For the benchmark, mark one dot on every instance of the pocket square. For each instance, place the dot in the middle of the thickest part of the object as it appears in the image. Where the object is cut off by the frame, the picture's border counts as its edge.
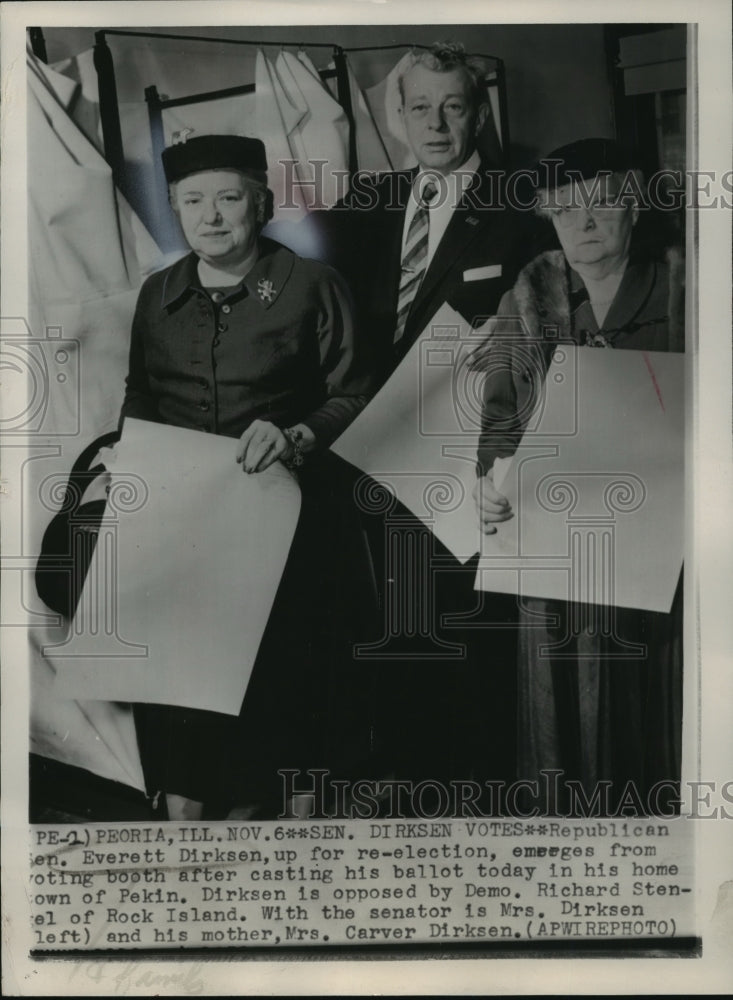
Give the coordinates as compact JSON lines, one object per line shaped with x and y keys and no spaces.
{"x":480,"y":273}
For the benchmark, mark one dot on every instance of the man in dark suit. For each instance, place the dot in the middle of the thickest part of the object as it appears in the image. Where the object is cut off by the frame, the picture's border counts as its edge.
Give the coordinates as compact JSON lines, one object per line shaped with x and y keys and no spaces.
{"x":407,"y":242}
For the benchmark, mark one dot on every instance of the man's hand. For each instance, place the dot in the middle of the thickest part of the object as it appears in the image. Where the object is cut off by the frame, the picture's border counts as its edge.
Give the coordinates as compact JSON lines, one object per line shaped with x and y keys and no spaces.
{"x":491,"y":505}
{"x":262,"y":444}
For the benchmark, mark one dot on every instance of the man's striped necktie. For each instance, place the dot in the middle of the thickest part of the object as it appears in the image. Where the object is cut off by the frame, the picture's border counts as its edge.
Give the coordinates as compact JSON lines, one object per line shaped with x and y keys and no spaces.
{"x":414,"y":258}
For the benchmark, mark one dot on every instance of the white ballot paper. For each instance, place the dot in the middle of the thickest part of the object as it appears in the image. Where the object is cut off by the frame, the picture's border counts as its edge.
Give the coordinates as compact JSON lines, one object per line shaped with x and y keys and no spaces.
{"x":419,"y":435}
{"x":189,"y":557}
{"x":597,"y":485}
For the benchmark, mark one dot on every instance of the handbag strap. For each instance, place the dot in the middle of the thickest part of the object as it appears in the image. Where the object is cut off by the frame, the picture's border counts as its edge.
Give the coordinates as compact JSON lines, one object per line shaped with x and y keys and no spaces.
{"x":80,"y":471}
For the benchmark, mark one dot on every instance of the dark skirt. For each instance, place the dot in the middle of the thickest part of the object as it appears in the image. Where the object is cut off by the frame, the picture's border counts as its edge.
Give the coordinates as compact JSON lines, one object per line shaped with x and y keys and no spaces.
{"x":603,"y":709}
{"x":445,"y":663}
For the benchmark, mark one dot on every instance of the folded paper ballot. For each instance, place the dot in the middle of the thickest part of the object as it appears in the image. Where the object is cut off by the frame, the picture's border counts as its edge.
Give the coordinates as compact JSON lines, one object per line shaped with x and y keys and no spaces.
{"x":181,"y":584}
{"x":419,"y":435}
{"x":597,"y":485}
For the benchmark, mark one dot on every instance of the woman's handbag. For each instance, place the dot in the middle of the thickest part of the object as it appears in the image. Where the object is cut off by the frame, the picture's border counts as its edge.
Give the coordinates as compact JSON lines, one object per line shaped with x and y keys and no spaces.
{"x":70,"y":538}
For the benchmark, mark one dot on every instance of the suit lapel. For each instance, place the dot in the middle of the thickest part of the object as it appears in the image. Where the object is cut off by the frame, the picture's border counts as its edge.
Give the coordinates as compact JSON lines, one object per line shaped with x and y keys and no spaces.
{"x":384,"y":249}
{"x":388,"y":245}
{"x":467,"y":224}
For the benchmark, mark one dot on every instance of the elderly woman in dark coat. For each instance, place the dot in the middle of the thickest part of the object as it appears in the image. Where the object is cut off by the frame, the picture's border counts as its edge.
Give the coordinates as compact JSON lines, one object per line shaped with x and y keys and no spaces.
{"x":593,"y":718}
{"x":243,"y":338}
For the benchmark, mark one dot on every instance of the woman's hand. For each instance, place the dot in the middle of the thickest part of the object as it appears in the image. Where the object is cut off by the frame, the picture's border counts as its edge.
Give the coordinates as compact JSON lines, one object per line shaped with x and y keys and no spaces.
{"x":262,"y":444}
{"x":491,"y":505}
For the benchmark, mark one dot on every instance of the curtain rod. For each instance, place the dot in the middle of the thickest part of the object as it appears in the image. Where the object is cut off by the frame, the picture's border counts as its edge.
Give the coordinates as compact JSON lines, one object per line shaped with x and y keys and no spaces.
{"x":207,"y":38}
{"x":301,"y":44}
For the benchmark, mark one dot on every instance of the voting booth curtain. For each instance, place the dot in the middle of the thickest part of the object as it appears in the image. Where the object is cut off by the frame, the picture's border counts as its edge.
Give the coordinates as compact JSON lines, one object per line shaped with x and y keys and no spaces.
{"x":88,"y":253}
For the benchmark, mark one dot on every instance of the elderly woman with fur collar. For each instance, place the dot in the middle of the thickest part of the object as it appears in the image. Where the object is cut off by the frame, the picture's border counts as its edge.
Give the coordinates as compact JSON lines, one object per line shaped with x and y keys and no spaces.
{"x":587,"y":716}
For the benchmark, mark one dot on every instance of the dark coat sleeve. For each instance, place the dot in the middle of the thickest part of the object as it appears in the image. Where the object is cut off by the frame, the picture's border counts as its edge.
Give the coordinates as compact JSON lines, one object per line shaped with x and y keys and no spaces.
{"x":344,"y":361}
{"x":515,"y":363}
{"x":139,"y":399}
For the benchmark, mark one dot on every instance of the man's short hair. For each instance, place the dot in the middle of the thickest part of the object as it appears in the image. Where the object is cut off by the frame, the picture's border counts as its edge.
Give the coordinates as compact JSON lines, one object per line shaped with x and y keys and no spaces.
{"x":442,"y":57}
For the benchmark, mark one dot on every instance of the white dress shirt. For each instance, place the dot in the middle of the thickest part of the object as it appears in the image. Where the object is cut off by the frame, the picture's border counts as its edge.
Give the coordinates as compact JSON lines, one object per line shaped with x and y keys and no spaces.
{"x":450,"y":192}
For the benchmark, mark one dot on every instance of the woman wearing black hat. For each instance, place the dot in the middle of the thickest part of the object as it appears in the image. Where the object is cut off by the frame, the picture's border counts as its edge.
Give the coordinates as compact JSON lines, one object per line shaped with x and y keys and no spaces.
{"x":294,"y":381}
{"x":590,"y":717}
{"x":244,"y":339}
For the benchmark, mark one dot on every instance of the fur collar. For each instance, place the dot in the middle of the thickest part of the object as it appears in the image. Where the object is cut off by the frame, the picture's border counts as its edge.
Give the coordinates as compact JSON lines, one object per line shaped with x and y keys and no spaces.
{"x":542,"y":296}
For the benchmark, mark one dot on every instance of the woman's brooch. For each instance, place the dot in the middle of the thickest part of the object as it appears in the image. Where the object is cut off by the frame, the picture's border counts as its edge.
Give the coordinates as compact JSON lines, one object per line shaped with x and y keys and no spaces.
{"x":266,"y":289}
{"x":596,"y":340}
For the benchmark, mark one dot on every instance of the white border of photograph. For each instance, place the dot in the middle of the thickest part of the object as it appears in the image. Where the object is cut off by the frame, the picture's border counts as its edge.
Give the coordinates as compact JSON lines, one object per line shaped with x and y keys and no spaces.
{"x":708,"y":753}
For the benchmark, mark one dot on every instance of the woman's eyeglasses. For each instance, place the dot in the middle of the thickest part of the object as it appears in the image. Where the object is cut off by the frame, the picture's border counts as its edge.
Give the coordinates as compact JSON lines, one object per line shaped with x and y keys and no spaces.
{"x":605,"y":210}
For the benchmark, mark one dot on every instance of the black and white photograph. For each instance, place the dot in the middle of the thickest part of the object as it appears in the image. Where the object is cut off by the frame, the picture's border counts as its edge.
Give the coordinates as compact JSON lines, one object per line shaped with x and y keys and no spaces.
{"x":365,"y":497}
